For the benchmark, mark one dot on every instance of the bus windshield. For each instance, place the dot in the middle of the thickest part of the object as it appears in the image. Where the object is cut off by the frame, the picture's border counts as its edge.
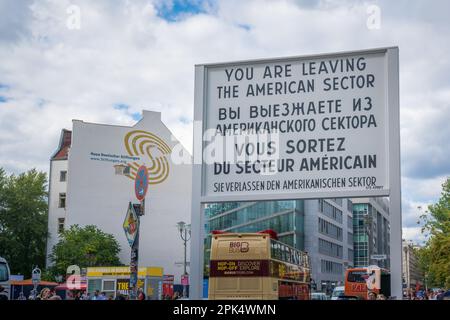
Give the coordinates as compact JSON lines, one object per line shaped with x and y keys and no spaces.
{"x":4,"y":276}
{"x":357,"y":276}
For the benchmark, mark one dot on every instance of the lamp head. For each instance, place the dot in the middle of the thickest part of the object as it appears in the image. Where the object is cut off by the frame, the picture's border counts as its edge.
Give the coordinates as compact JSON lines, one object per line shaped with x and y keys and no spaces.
{"x":181,"y":225}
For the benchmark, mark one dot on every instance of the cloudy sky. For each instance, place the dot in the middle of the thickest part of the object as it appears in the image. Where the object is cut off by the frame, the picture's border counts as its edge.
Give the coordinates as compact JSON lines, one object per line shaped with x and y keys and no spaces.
{"x":130,"y":55}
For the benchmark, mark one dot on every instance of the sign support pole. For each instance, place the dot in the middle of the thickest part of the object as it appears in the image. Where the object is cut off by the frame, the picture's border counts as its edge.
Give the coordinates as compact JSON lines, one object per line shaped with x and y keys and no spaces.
{"x":140,"y":189}
{"x":134,"y":264}
{"x":395,"y":206}
{"x":197,"y":215}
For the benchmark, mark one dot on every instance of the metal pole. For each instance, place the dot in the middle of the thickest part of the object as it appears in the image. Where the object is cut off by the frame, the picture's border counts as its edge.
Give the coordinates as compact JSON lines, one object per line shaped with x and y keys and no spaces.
{"x":185,"y":242}
{"x":395,"y":206}
{"x":134,"y":263}
{"x":185,"y":273}
{"x":197,"y":217}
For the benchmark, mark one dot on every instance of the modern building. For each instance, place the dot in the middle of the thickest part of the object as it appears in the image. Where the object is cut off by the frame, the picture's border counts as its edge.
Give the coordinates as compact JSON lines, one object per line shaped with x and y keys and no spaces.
{"x":412,"y":275}
{"x":329,"y":240}
{"x":371,"y":229}
{"x":323,"y":228}
{"x":92,"y":177}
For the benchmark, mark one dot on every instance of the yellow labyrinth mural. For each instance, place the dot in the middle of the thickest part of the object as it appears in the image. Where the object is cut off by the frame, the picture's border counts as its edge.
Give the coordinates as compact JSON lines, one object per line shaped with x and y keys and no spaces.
{"x":144,"y":144}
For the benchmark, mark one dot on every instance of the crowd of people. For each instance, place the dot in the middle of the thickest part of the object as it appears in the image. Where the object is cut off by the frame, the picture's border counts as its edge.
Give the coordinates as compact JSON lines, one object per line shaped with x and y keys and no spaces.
{"x":424,"y":294}
{"x":101,"y":296}
{"x":45,"y":294}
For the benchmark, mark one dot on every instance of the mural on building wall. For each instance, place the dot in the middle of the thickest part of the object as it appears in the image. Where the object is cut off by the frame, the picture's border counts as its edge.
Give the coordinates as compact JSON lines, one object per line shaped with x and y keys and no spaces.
{"x":145,"y":149}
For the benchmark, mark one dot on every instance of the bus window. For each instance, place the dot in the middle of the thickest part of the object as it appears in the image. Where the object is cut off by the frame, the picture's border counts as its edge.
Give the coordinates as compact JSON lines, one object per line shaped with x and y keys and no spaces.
{"x":356,"y":276}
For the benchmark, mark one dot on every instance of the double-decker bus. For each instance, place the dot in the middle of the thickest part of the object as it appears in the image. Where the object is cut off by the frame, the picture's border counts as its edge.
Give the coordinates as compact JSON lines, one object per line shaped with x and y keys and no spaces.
{"x":361,"y":282}
{"x":257,"y":266}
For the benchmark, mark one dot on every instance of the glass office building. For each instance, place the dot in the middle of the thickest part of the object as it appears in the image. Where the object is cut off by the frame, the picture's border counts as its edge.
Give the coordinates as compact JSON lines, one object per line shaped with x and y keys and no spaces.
{"x":323,"y":228}
{"x":284,"y":217}
{"x":371,"y":231}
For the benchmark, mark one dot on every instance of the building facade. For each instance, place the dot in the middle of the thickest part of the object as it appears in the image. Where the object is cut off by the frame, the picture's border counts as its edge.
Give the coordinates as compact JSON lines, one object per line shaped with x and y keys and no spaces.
{"x":92,"y":181}
{"x":323,"y":228}
{"x":371,"y":230}
{"x":329,"y":241}
{"x":57,"y":199}
{"x":412,"y":275}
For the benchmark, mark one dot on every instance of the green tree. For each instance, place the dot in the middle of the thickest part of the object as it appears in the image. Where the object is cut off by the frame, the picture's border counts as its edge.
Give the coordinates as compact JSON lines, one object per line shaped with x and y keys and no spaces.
{"x":85,"y":247}
{"x":23,"y":220}
{"x":434,"y":257}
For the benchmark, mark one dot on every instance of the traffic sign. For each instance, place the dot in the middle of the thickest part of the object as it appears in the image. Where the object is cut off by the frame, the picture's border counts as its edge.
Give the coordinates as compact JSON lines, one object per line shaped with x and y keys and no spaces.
{"x":36,"y":276}
{"x":131,"y":224}
{"x":141,"y":183}
{"x":378,"y":257}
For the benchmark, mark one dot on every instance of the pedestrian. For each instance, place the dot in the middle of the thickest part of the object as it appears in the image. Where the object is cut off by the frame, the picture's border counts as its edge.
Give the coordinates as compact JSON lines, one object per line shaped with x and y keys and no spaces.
{"x":372,"y":296}
{"x":141,"y":294}
{"x":44,"y":295}
{"x":103,"y":296}
{"x":381,"y":297}
{"x":96,"y":295}
{"x":52,"y":293}
{"x":120,"y":297}
{"x":21,"y":296}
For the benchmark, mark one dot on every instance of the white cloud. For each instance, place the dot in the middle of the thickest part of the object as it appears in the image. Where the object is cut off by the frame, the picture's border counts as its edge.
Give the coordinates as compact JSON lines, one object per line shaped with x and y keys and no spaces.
{"x":125,"y":53}
{"x":415,"y":235}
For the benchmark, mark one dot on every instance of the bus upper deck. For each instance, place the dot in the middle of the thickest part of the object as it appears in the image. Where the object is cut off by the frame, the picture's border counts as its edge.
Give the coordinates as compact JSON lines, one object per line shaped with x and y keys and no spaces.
{"x":257,"y":266}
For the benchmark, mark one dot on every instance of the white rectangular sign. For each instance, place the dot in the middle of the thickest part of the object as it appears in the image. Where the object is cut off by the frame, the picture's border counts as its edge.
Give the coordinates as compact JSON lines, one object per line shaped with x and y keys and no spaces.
{"x":378,"y":257}
{"x":302,"y":127}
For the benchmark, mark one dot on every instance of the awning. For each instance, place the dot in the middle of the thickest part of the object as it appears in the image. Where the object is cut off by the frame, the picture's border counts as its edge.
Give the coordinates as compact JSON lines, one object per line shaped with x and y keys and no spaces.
{"x":63,"y":286}
{"x":29,"y":282}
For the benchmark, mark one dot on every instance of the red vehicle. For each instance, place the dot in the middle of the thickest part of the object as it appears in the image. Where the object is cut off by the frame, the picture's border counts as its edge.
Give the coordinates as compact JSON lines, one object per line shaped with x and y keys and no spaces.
{"x":360,"y":282}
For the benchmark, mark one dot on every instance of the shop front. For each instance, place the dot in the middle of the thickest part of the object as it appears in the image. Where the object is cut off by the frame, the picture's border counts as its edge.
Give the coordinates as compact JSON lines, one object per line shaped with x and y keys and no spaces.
{"x":114,"y":281}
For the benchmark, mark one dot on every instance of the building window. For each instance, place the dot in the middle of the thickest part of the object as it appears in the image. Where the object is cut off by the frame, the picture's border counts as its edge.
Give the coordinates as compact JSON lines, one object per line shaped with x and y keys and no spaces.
{"x":349,"y":205}
{"x":330,"y":249}
{"x":62,"y":200}
{"x":350,"y":255}
{"x":62,"y":176}
{"x":349,"y":222}
{"x":61,"y":224}
{"x":350,"y":238}
{"x":331,"y":267}
{"x":109,"y":287}
{"x":330,"y":229}
{"x":330,"y":211}
{"x":122,"y":169}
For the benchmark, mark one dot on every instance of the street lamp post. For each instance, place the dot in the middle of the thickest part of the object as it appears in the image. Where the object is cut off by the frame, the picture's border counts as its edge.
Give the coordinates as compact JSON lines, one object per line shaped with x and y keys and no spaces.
{"x":185,"y":234}
{"x":36,"y":279}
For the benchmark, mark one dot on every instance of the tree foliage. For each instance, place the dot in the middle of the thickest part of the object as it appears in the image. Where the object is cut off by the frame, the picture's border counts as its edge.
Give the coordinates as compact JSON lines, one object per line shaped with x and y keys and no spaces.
{"x":23,"y":220}
{"x":434,"y":257}
{"x":85,"y":247}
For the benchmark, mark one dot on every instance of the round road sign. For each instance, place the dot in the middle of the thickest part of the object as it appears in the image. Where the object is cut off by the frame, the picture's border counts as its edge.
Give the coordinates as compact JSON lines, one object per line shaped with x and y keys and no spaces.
{"x":141,"y":183}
